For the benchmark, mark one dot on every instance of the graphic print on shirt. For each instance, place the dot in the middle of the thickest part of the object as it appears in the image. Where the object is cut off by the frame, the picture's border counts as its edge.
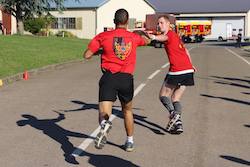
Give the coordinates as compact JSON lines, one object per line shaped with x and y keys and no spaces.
{"x":122,"y":47}
{"x":181,"y":45}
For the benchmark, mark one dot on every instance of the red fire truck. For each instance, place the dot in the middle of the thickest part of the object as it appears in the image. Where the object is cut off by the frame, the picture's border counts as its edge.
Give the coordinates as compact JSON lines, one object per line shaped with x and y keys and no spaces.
{"x":189,"y":31}
{"x":193,"y":30}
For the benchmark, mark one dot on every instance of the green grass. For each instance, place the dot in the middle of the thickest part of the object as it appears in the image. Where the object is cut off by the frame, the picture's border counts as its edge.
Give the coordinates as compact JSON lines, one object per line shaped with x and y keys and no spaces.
{"x":19,"y":53}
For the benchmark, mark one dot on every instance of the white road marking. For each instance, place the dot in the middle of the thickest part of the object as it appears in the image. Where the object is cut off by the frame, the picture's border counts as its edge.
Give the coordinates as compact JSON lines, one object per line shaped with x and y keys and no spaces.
{"x":238,"y":56}
{"x":164,"y":66}
{"x":85,"y":143}
{"x":191,"y":48}
{"x":88,"y":141}
{"x":154,"y":74}
{"x":139,"y":89}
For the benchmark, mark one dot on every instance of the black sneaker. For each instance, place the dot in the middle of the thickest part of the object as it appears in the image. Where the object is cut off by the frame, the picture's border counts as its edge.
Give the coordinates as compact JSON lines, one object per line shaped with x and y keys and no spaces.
{"x":101,"y":138}
{"x":177,"y":128}
{"x":172,"y":120}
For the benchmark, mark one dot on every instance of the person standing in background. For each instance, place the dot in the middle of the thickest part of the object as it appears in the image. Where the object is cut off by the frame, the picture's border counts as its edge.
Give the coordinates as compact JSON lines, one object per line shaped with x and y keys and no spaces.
{"x":1,"y":27}
{"x":238,"y":44}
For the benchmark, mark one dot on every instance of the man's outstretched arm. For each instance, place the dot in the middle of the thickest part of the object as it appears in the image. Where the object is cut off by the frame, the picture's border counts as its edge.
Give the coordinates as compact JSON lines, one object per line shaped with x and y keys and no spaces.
{"x":88,"y":53}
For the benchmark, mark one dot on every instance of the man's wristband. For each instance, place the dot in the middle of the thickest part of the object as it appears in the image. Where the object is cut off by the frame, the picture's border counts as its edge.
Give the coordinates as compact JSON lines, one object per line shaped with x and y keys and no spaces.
{"x":153,"y":37}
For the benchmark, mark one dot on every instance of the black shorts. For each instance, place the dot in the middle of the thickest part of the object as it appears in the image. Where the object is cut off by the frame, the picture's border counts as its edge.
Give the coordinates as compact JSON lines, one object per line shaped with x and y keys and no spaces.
{"x":111,"y":85}
{"x":183,"y":79}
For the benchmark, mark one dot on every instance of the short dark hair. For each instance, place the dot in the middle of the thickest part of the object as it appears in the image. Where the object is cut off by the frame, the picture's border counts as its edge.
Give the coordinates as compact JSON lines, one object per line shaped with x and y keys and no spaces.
{"x":165,"y":17}
{"x":121,"y":17}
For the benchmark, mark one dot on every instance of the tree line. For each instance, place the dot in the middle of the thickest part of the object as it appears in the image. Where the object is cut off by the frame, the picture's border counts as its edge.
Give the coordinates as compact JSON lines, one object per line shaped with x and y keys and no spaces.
{"x":30,"y":9}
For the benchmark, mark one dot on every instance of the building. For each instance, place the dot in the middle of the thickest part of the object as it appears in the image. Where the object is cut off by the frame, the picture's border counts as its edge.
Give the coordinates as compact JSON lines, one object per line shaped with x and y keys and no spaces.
{"x":9,"y":23}
{"x":227,"y":16}
{"x":87,"y":18}
{"x":90,"y":17}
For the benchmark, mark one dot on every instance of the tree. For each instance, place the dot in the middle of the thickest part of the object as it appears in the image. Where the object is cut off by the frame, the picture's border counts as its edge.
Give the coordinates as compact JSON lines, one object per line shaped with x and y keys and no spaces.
{"x":50,"y":19}
{"x":26,"y":9}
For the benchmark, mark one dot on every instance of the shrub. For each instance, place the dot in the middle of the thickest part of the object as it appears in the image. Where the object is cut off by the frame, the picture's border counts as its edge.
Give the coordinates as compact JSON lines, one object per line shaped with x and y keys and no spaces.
{"x":66,"y":34}
{"x":34,"y":25}
{"x":45,"y":31}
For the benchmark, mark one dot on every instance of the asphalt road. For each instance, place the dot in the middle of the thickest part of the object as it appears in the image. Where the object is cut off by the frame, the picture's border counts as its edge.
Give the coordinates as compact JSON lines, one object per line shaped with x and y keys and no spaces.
{"x":51,"y":115}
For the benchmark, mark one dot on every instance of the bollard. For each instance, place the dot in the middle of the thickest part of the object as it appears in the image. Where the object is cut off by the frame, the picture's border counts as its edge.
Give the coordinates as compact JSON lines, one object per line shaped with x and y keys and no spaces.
{"x":63,"y":35}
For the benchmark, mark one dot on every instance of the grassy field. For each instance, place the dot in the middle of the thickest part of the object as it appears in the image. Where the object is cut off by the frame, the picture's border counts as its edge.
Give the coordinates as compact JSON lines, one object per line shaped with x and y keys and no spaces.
{"x":19,"y":53}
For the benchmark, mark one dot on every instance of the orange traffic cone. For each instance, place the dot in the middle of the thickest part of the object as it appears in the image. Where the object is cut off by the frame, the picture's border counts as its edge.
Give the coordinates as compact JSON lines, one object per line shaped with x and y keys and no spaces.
{"x":26,"y":75}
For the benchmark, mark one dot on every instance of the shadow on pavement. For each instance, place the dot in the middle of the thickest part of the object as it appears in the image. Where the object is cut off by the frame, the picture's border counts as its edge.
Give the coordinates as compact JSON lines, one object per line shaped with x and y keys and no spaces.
{"x":233,"y":84}
{"x":229,"y":81}
{"x":51,"y":129}
{"x":226,"y":44}
{"x":239,"y":83}
{"x":245,"y":55}
{"x":138,"y":118}
{"x":228,"y":99}
{"x":107,"y":160}
{"x":233,"y":79}
{"x":237,"y":160}
{"x":87,"y":106}
{"x":119,"y":114}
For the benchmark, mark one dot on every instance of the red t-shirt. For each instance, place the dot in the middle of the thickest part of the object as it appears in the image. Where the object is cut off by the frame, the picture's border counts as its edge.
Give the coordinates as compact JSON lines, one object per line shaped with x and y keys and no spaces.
{"x":119,"y":49}
{"x":180,"y":62}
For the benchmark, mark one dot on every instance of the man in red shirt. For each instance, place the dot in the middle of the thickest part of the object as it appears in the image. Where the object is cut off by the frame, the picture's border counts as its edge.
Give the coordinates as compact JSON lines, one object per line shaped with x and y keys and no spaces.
{"x":180,"y":74}
{"x":118,"y":62}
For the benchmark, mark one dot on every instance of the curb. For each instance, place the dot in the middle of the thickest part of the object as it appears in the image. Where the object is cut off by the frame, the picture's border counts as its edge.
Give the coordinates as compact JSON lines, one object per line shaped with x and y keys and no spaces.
{"x":19,"y":76}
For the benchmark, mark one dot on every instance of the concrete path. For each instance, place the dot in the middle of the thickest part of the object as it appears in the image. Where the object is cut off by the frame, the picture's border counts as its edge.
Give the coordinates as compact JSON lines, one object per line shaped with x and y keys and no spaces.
{"x":51,"y":115}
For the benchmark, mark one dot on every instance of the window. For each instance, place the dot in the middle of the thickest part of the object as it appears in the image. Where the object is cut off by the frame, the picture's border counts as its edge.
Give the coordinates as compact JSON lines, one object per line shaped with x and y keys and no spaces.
{"x":64,"y":23}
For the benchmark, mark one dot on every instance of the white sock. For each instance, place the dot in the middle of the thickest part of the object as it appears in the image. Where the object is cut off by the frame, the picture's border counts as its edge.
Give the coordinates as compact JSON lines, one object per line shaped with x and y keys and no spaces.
{"x":129,"y":139}
{"x":103,"y":121}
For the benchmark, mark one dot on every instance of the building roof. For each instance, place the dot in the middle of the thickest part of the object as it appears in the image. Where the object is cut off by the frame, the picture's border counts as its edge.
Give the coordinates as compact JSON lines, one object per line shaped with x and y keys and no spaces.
{"x":82,"y":3}
{"x":150,"y":4}
{"x":88,"y":3}
{"x":201,"y":6}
